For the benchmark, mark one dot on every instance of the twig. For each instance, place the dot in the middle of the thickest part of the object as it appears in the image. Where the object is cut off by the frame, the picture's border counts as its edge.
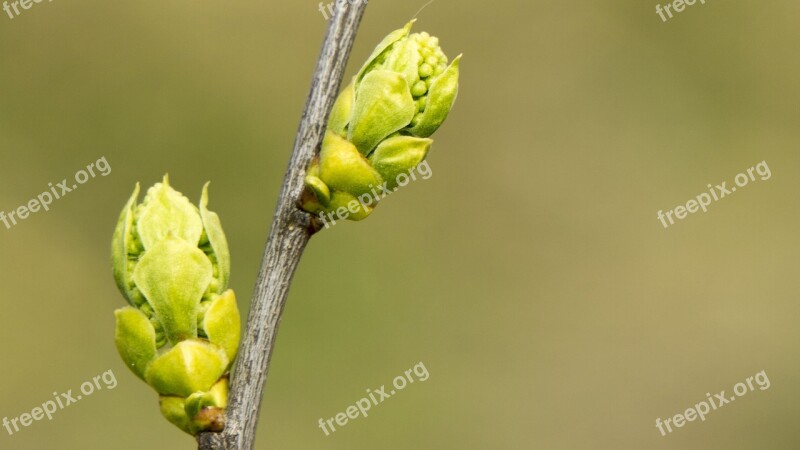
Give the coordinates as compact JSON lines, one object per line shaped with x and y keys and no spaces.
{"x":291,"y":231}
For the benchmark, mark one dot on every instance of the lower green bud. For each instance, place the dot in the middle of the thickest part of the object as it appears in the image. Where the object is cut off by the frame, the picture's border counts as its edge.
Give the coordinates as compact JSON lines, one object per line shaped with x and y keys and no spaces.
{"x":182,"y":335}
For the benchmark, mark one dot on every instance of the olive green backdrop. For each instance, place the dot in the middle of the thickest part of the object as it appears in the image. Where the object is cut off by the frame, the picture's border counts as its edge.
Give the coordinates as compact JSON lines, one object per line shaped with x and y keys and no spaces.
{"x":529,"y":273}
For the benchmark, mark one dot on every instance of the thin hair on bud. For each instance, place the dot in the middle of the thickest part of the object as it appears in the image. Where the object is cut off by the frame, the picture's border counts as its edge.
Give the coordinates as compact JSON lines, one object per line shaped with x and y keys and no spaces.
{"x":423,"y":7}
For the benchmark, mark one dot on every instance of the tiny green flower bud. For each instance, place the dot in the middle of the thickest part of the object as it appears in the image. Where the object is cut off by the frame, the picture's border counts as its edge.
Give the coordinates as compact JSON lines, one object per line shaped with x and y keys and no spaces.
{"x":426,"y":70}
{"x":439,"y":101}
{"x":171,"y":261}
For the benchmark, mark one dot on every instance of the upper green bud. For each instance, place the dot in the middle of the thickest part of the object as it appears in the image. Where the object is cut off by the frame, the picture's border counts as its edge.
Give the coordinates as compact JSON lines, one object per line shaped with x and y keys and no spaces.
{"x":422,"y":63}
{"x":181,"y":334}
{"x":406,"y":85}
{"x":430,"y":83}
{"x":380,"y":123}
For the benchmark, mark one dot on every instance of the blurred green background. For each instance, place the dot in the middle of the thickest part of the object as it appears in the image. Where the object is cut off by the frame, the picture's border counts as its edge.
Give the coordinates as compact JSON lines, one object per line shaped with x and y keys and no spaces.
{"x":529,"y":273}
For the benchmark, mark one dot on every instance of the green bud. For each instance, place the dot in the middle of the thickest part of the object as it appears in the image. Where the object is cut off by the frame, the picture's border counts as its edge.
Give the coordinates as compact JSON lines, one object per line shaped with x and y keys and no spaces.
{"x":419,"y":60}
{"x":181,"y":333}
{"x":380,"y":123}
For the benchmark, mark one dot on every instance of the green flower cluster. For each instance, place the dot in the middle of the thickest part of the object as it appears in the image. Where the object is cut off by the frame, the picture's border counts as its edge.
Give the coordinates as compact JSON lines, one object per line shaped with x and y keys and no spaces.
{"x":381,"y":123}
{"x":181,"y":332}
